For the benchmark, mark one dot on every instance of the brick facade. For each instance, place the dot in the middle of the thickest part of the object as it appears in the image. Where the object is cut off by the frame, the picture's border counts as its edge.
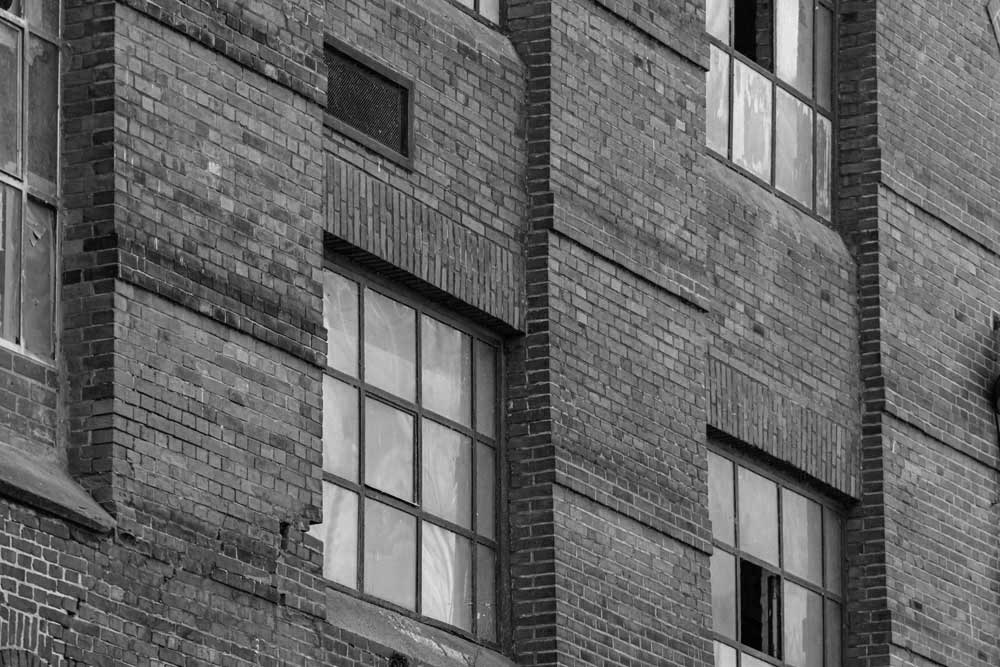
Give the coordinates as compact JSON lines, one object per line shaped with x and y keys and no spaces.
{"x":157,"y":482}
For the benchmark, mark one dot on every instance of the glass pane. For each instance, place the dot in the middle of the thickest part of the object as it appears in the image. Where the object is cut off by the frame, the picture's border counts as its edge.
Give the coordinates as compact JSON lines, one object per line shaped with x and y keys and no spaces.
{"x":720,"y":498}
{"x":833,"y":552}
{"x":724,"y":593}
{"x":486,"y":593}
{"x":758,"y":500}
{"x":389,"y":449}
{"x":794,"y":37}
{"x":725,"y":656}
{"x":390,"y":554}
{"x":486,"y":389}
{"x":44,"y":14}
{"x":802,"y":536}
{"x":340,"y":316}
{"x":760,"y":608}
{"x":446,"y":583}
{"x":43,"y":126}
{"x":823,"y":164}
{"x":717,"y":104}
{"x":10,"y":98}
{"x":803,"y":619}
{"x":717,"y":19}
{"x":833,"y":640}
{"x":10,"y":244}
{"x":751,"y":121}
{"x":339,"y":533}
{"x":793,"y":167}
{"x":445,"y":370}
{"x":486,"y":480}
{"x":747,"y":660}
{"x":447,"y":473}
{"x":340,"y":428}
{"x":390,"y":345}
{"x":824,"y":48}
{"x":490,"y":9}
{"x":38,"y":276}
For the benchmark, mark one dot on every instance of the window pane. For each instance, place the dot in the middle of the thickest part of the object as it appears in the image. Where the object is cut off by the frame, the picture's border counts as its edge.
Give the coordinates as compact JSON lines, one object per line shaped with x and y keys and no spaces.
{"x":44,"y":14}
{"x":794,"y":36}
{"x":833,"y":639}
{"x":751,"y":121}
{"x":43,"y":127}
{"x":10,"y":212}
{"x":720,"y":498}
{"x":340,"y":316}
{"x":793,"y":165}
{"x":339,"y":533}
{"x":486,"y":389}
{"x":445,"y":370}
{"x":390,"y":345}
{"x":724,"y":593}
{"x":486,"y":593}
{"x":802,"y":536}
{"x":447,"y":473}
{"x":490,"y":9}
{"x":760,"y":609}
{"x":486,"y":477}
{"x":803,"y":618}
{"x":823,"y":161}
{"x":10,"y":98}
{"x":750,"y":661}
{"x":38,"y":276}
{"x":725,"y":656}
{"x":824,"y":48}
{"x":340,"y":428}
{"x":758,"y":500}
{"x":390,"y":554}
{"x":834,"y":555}
{"x":717,"y":104}
{"x":389,"y":449}
{"x":717,"y":19}
{"x":446,"y":577}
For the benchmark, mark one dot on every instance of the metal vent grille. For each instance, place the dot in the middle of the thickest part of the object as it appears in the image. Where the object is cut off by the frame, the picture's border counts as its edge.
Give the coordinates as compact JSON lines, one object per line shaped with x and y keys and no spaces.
{"x":367,"y":101}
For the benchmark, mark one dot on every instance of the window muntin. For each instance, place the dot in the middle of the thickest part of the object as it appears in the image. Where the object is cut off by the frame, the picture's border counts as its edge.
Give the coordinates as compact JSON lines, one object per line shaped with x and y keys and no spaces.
{"x":769,"y":93}
{"x":775,"y":571}
{"x":488,"y":9}
{"x":410,"y":456}
{"x":29,"y":151}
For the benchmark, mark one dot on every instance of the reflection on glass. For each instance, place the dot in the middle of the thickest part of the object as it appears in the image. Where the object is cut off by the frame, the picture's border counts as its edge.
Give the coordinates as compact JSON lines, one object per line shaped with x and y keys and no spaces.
{"x":390,"y":554}
{"x":724,"y":593}
{"x":802,"y":536}
{"x":340,"y":428}
{"x":446,"y":473}
{"x":803,"y":624}
{"x":824,"y":47}
{"x":758,"y":500}
{"x":725,"y":656}
{"x":10,"y":212}
{"x":490,"y":9}
{"x":794,"y":35}
{"x":340,"y":315}
{"x":390,"y":345}
{"x":793,"y":165}
{"x":486,"y":593}
{"x":717,"y":102}
{"x":751,"y":121}
{"x":446,"y":576}
{"x":445,"y":370}
{"x":339,"y":533}
{"x":37,"y":305}
{"x":43,"y":100}
{"x":717,"y":19}
{"x":833,"y":554}
{"x":389,"y":449}
{"x":720,"y":498}
{"x":485,"y":490}
{"x":486,"y":389}
{"x":10,"y":98}
{"x":833,"y":639}
{"x":823,"y":159}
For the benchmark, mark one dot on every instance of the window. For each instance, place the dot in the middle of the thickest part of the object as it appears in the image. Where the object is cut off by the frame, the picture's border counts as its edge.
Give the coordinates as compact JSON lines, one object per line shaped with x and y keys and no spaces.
{"x":410,"y":435}
{"x":488,"y":9}
{"x":770,"y":93}
{"x":776,"y":571}
{"x":29,"y":166}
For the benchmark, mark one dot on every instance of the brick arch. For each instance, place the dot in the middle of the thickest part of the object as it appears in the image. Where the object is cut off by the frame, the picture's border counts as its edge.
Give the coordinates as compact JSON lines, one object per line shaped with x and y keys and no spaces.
{"x":16,"y":657}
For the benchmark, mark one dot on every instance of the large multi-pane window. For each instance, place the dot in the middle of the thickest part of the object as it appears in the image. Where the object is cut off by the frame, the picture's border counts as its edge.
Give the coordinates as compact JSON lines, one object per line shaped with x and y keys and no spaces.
{"x":29,"y":149}
{"x":770,"y":93}
{"x":410,"y":435}
{"x":776,"y":571}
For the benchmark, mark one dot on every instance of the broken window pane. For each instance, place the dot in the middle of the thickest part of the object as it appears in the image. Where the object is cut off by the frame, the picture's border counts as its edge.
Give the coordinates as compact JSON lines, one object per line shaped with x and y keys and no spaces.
{"x":43,"y":126}
{"x":794,"y":35}
{"x":752,"y":31}
{"x":10,"y":98}
{"x":38,"y":248}
{"x":752,"y":121}
{"x":760,"y":609}
{"x":717,"y":104}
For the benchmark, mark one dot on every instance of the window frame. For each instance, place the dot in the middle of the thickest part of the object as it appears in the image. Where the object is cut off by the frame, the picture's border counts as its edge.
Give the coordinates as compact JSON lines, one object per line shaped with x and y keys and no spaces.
{"x":781,"y":481}
{"x":423,"y":305}
{"x":29,"y":191}
{"x":475,"y":12}
{"x":775,"y":82}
